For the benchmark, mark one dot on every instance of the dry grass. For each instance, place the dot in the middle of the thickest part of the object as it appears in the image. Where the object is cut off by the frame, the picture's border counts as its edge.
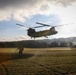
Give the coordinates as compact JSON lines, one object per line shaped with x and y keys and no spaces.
{"x":42,"y":61}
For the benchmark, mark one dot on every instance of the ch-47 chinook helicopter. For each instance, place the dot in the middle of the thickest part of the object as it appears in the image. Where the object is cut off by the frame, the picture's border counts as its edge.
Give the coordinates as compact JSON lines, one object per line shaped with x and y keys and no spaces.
{"x":32,"y":33}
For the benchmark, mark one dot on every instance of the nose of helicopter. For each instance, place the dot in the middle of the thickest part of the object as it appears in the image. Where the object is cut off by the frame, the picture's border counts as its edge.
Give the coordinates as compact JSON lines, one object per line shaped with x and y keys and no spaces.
{"x":55,"y":32}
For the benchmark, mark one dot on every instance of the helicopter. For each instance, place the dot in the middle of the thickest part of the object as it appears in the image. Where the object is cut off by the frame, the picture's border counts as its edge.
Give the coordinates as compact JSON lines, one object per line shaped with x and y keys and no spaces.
{"x":33,"y":33}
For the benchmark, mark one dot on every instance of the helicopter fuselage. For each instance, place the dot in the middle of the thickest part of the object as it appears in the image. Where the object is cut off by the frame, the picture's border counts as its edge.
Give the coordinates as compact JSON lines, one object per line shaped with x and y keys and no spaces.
{"x":33,"y":33}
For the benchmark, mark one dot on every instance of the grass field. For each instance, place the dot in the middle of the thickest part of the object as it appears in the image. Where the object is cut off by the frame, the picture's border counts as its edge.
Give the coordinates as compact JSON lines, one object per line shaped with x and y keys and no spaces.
{"x":41,"y":61}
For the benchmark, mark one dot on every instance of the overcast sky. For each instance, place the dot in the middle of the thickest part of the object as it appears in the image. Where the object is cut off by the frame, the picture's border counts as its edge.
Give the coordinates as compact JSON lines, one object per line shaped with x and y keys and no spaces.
{"x":27,"y":12}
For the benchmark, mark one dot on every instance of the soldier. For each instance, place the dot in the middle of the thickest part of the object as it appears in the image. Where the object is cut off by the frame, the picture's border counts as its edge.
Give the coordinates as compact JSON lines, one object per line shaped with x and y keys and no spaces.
{"x":20,"y":48}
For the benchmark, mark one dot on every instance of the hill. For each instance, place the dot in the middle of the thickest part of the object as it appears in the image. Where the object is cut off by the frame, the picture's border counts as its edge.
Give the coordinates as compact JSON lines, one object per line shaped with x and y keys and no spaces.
{"x":60,"y":42}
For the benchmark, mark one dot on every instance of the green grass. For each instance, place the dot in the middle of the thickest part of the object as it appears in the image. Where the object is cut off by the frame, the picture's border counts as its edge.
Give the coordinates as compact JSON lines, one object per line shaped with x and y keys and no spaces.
{"x":42,"y":61}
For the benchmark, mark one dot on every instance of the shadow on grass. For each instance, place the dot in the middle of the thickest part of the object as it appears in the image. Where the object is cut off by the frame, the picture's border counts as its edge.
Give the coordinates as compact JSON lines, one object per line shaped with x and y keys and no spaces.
{"x":13,"y":56}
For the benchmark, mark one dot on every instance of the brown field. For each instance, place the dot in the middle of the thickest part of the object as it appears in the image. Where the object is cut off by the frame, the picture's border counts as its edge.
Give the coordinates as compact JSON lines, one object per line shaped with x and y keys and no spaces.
{"x":38,"y":61}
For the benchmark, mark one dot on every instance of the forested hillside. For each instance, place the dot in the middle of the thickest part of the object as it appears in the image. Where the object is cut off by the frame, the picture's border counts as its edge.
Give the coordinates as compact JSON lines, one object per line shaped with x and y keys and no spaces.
{"x":38,"y":43}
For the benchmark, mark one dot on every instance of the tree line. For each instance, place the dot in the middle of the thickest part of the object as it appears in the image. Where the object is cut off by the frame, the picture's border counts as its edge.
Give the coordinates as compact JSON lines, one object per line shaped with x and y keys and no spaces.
{"x":35,"y":44}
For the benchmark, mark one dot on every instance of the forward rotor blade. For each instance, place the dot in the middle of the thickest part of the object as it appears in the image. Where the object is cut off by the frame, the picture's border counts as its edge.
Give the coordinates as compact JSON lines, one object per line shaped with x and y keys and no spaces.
{"x":22,"y":25}
{"x":42,"y":24}
{"x":37,"y":26}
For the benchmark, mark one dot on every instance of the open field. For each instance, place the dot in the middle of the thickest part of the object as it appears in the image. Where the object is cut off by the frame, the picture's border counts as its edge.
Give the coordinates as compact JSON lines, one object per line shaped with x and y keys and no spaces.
{"x":41,"y":61}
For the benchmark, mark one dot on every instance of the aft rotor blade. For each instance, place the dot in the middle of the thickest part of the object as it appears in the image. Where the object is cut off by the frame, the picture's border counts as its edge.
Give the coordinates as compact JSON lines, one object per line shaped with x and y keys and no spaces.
{"x":62,"y":25}
{"x":42,"y":24}
{"x":22,"y":25}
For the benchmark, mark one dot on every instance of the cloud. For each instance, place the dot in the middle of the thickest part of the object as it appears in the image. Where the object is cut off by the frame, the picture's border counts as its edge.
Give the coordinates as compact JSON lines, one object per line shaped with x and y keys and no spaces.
{"x":62,"y":2}
{"x":66,"y":31}
{"x":27,"y":3}
{"x":22,"y":37}
{"x":23,"y":9}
